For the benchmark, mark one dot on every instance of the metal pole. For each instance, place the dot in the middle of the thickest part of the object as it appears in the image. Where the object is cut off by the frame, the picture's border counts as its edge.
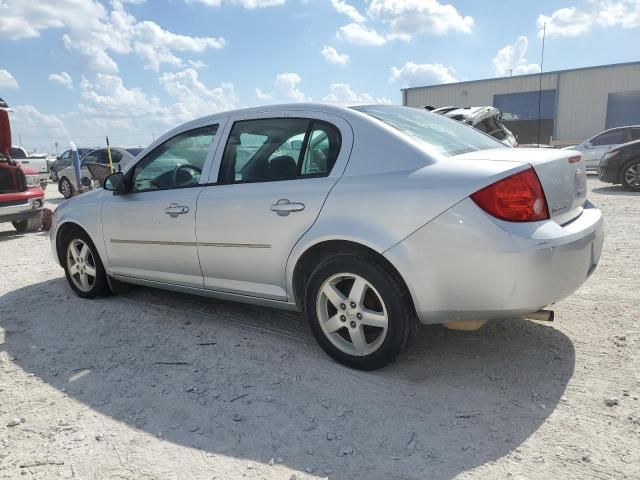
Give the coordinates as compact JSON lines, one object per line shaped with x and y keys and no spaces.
{"x":109,"y":155}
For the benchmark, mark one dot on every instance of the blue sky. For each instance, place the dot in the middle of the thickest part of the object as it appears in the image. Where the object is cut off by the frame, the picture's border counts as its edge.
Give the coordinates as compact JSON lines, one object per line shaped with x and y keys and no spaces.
{"x":81,"y":69}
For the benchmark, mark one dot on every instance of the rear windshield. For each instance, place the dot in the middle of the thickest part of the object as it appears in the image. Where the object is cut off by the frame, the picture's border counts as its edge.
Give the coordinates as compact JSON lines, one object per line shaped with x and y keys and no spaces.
{"x":134,"y":151}
{"x":444,"y":134}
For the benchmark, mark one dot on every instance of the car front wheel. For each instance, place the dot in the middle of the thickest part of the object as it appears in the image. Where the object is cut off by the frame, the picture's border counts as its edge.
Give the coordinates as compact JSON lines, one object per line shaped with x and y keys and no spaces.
{"x":359,"y":311}
{"x":631,"y":175}
{"x":65,"y":187}
{"x":53,"y":176}
{"x":83,"y":267}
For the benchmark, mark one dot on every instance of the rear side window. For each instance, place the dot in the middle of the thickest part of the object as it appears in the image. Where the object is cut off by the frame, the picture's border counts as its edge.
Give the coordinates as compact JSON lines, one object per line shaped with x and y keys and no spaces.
{"x":277,"y":149}
{"x":445,"y":135}
{"x":609,"y":138}
{"x":17,"y":153}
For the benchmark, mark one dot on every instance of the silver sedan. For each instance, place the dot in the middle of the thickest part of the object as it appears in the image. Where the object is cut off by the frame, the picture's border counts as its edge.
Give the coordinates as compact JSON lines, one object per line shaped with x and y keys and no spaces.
{"x":370,"y":219}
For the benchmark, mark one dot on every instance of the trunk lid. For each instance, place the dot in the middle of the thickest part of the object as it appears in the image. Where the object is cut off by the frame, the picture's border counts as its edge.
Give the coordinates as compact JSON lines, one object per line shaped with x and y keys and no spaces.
{"x":562,"y":174}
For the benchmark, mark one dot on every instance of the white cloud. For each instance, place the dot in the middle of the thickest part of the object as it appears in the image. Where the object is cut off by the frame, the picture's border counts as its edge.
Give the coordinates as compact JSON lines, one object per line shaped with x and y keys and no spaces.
{"x":249,"y":4}
{"x":260,"y":95}
{"x":360,"y":35}
{"x":343,"y":93}
{"x":287,"y":85}
{"x":37,"y":129}
{"x":94,"y":32}
{"x":406,"y":18}
{"x":108,"y":96}
{"x":332,"y":56}
{"x":195,"y":99}
{"x":625,"y":13}
{"x":416,"y":74}
{"x":511,"y":59}
{"x":571,"y":21}
{"x":349,"y":10}
{"x":565,"y":22}
{"x":7,"y":80}
{"x":63,"y":79}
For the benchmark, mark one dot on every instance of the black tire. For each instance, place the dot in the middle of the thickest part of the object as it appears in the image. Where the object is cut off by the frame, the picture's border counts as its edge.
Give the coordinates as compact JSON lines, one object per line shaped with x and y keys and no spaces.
{"x":66,"y":188}
{"x":402,"y":320}
{"x":631,"y":164}
{"x":31,"y":224}
{"x":99,"y":287}
{"x":54,"y":176}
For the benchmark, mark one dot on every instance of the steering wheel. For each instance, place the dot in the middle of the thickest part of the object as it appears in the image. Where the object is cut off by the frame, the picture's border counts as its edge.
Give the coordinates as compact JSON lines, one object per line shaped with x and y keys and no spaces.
{"x":184,"y":166}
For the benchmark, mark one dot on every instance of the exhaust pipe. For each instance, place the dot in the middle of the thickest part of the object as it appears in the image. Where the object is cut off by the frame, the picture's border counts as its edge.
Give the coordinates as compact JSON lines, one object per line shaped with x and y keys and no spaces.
{"x":540,"y":315}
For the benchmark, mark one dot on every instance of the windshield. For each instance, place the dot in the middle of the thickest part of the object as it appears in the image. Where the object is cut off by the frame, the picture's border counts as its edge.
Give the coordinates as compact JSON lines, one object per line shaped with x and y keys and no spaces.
{"x":134,"y":151}
{"x":445,"y":135}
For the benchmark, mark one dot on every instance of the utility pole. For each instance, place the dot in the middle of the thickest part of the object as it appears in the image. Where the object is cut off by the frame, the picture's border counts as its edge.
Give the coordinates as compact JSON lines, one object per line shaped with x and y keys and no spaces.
{"x":20,"y":139}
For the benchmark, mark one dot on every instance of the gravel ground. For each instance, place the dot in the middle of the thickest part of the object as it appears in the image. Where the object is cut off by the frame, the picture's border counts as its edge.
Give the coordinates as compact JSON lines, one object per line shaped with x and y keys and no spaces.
{"x":153,"y":384}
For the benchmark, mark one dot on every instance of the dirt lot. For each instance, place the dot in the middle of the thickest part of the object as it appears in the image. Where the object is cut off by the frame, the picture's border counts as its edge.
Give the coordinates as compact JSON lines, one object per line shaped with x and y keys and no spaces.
{"x":158,"y":385}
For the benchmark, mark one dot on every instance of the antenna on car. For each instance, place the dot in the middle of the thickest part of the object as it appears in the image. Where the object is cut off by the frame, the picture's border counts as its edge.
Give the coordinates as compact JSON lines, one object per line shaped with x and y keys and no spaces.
{"x":544,"y":34}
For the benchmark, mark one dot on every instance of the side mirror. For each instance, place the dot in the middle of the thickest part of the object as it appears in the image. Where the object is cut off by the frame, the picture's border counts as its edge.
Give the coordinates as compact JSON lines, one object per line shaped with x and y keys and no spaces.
{"x":588,"y":145}
{"x":115,"y":183}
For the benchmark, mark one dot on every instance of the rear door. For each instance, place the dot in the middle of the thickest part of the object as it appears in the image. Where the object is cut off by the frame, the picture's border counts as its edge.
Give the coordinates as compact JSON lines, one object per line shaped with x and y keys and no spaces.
{"x":272,"y":178}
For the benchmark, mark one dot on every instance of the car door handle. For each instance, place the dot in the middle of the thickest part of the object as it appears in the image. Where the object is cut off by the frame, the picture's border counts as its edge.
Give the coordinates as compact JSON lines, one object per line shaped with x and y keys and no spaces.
{"x":173,"y":210}
{"x":285,"y":207}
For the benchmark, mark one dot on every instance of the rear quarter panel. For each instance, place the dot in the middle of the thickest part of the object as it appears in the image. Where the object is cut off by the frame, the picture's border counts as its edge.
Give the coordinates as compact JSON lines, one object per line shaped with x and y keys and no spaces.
{"x":391,"y":187}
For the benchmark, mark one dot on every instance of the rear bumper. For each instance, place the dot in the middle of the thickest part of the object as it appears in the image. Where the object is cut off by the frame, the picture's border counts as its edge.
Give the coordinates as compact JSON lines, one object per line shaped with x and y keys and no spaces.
{"x":466,"y":265}
{"x":22,"y":210}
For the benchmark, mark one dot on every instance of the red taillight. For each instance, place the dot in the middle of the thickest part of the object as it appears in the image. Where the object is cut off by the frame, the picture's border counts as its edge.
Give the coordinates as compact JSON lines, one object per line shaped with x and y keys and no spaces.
{"x":518,"y":198}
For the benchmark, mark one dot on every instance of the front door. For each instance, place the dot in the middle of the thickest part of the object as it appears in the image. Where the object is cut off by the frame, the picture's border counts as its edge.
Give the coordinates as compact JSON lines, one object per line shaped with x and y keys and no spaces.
{"x":149,"y":232}
{"x":274,"y":177}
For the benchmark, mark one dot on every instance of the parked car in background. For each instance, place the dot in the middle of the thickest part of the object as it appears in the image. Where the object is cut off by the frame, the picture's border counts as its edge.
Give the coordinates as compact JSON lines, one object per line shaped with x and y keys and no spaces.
{"x":382,"y":218}
{"x":21,"y":198}
{"x":621,"y":165}
{"x":63,"y":161}
{"x":36,"y":162}
{"x":486,"y":119}
{"x":594,"y":148}
{"x":67,"y":185}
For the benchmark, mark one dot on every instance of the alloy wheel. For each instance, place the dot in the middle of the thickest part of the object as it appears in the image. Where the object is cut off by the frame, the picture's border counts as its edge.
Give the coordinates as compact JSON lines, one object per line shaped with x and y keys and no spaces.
{"x":81,"y":265}
{"x":352,"y":314}
{"x":632,"y":175}
{"x":65,"y":188}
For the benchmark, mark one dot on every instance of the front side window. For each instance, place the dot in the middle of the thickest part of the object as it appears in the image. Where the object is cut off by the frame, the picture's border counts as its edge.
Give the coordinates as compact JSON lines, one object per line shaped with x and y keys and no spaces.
{"x":278,"y":149}
{"x":93,"y":157}
{"x":445,"y":135}
{"x":177,"y":163}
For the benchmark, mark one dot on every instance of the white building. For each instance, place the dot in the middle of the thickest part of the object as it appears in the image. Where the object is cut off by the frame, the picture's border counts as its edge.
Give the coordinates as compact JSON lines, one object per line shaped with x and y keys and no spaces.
{"x":574,"y":105}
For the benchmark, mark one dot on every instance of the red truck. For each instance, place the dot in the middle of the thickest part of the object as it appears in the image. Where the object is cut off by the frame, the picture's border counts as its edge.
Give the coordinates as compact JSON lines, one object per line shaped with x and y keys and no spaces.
{"x":21,"y":198}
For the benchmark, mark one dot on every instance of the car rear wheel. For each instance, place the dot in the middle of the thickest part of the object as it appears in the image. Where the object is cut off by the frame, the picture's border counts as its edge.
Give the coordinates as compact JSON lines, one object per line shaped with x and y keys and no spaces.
{"x":65,"y":188}
{"x":631,"y":175}
{"x":31,"y":224}
{"x":359,"y":312}
{"x":83,"y":267}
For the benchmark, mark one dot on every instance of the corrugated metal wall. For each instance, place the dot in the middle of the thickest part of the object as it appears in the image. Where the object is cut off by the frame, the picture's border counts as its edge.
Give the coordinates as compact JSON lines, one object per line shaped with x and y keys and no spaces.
{"x":582,"y":98}
{"x":581,"y":95}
